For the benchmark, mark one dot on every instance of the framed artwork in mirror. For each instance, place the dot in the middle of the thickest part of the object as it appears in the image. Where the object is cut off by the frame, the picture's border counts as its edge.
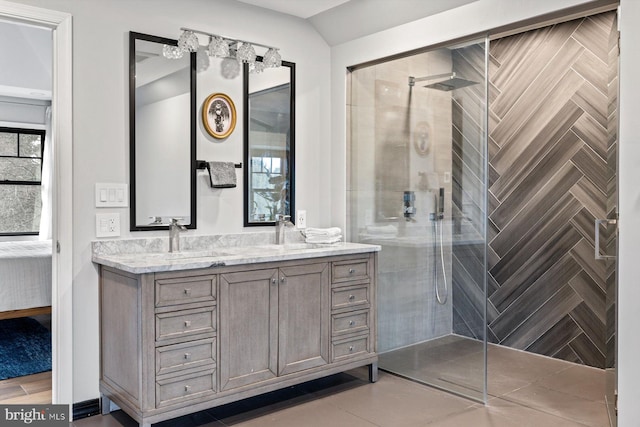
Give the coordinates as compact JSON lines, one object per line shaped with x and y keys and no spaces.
{"x":219,"y":115}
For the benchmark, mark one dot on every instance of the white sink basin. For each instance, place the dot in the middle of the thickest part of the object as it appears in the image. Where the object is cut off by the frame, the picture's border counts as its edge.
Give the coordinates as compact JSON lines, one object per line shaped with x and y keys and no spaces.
{"x":194,"y":254}
{"x":178,"y":255}
{"x":273,"y":249}
{"x":298,"y":246}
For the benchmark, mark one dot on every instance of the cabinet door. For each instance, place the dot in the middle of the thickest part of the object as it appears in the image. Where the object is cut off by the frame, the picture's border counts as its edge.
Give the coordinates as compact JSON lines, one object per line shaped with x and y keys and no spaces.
{"x":304,"y":317}
{"x":248,"y":327}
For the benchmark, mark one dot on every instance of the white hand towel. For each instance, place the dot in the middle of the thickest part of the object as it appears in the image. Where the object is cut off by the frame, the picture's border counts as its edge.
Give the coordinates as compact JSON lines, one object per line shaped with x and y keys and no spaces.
{"x":326,"y":232}
{"x":324,"y":239}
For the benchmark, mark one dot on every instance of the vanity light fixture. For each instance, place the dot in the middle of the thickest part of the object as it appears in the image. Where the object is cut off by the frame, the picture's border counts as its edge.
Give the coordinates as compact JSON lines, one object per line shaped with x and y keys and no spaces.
{"x":225,"y":47}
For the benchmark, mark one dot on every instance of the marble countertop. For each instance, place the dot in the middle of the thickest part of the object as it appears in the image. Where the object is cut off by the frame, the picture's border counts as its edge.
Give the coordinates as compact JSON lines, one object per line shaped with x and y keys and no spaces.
{"x":148,"y":262}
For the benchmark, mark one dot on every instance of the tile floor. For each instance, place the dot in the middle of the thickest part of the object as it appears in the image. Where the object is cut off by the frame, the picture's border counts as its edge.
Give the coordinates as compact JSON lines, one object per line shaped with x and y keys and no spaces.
{"x":525,"y":390}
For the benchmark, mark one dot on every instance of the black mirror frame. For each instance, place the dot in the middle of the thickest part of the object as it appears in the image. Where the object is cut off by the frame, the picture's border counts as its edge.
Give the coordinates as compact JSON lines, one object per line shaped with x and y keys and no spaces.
{"x":133,"y":36}
{"x":292,"y":149}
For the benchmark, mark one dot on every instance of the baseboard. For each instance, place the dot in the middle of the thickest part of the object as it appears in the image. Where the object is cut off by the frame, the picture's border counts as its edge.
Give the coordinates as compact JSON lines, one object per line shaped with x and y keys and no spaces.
{"x":86,"y":409}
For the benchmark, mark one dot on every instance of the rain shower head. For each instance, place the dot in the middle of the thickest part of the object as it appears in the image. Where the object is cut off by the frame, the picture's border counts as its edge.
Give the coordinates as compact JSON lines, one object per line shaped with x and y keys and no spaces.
{"x":445,"y":82}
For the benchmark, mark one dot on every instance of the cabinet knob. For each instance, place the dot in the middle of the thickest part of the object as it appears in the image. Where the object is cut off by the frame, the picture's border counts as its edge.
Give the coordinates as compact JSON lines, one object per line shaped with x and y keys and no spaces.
{"x":350,"y":348}
{"x":187,"y":291}
{"x":351,"y":323}
{"x":283,"y":279}
{"x":187,"y":388}
{"x":273,"y":281}
{"x":352,"y":270}
{"x":352,"y":297}
{"x":187,"y":356}
{"x":187,"y":323}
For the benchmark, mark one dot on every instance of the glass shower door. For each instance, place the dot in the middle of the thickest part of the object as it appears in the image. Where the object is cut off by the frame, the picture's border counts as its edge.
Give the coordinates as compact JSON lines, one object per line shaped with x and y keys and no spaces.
{"x":417,"y":187}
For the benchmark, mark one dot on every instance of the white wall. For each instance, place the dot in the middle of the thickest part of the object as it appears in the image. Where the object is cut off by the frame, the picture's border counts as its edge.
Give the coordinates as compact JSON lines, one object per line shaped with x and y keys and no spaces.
{"x":484,"y":15}
{"x":26,"y":66}
{"x":100,"y":116}
{"x":629,"y":244}
{"x":162,"y":166}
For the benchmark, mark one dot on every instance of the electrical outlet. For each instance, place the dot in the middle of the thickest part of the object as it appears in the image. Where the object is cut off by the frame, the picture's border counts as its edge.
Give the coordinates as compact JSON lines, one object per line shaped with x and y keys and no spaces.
{"x":301,"y":219}
{"x":108,"y":225}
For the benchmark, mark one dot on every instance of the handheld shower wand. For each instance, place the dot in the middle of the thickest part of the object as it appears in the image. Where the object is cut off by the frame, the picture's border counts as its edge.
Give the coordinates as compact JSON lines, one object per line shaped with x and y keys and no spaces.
{"x":436,"y":218}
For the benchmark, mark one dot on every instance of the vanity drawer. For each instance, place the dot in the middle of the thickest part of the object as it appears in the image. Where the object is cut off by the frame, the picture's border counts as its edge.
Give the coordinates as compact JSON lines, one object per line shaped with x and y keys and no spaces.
{"x":352,"y":296}
{"x":350,"y":322}
{"x":345,"y":271}
{"x":185,"y":290}
{"x":185,"y":323}
{"x":177,"y":389}
{"x":193,"y":354}
{"x":349,"y":347}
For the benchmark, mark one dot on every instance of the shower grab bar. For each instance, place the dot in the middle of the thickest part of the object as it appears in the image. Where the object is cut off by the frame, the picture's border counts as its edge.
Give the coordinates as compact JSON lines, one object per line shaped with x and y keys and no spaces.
{"x":604,"y":222}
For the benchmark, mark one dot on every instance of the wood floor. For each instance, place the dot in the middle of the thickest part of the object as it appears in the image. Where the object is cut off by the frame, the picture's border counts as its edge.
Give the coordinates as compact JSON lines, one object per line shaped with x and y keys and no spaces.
{"x":31,"y":389}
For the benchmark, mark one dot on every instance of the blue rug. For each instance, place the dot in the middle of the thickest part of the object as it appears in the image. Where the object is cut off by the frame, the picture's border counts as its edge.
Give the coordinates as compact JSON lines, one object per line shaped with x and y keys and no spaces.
{"x":25,"y":348}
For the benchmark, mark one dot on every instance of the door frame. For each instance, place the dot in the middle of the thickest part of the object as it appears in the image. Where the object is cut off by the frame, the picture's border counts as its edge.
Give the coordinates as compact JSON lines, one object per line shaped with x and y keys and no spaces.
{"x":62,"y":254}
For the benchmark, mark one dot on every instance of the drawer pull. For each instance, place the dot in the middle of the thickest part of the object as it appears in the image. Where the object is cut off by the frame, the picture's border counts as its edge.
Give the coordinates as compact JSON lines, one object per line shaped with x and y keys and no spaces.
{"x":187,"y":356}
{"x":187,"y":323}
{"x":351,"y":323}
{"x":352,"y":297}
{"x":187,"y":291}
{"x":350,"y":348}
{"x":352,"y":270}
{"x":187,"y":388}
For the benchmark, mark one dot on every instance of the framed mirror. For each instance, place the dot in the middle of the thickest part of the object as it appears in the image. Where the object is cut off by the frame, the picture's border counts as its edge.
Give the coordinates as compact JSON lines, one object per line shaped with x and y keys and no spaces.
{"x":269,"y":144}
{"x":162,"y":134}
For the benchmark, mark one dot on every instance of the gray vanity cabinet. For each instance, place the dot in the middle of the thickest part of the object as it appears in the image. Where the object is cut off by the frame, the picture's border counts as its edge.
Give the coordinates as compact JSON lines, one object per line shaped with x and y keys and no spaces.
{"x":303,"y":330}
{"x":249,"y":328}
{"x":173,"y":343}
{"x":277,"y":319}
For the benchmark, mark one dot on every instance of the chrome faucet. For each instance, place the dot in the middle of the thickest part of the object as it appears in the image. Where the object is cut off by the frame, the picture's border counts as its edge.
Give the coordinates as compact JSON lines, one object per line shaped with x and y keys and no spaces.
{"x":174,"y":234}
{"x":282,"y":222}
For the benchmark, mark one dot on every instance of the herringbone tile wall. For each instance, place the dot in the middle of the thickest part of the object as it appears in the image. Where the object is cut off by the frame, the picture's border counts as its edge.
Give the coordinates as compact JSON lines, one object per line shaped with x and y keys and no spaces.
{"x":552,"y":150}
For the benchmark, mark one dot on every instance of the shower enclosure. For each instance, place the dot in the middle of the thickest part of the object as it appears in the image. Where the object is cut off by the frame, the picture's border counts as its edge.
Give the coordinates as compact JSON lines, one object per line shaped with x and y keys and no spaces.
{"x":416,"y":186}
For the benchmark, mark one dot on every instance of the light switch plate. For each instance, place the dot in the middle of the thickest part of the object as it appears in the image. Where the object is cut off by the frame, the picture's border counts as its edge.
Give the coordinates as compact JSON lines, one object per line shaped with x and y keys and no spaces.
{"x":108,"y":225}
{"x":301,"y":219}
{"x":109,"y":195}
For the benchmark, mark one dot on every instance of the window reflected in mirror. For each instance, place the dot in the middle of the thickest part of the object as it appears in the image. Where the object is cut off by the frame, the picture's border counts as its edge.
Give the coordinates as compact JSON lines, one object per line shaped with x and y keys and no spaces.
{"x":269,"y":144}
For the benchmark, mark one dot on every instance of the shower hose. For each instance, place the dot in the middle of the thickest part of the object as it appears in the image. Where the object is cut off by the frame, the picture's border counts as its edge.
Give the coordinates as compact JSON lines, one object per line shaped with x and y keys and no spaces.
{"x":442,"y":299}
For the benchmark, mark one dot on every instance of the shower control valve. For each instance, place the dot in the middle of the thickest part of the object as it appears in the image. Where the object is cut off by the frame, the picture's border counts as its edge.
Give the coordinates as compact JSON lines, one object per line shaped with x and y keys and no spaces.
{"x":409,"y":209}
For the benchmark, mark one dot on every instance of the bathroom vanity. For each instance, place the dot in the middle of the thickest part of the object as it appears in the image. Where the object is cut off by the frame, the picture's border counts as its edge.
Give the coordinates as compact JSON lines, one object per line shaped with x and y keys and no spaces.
{"x":184,"y":332}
